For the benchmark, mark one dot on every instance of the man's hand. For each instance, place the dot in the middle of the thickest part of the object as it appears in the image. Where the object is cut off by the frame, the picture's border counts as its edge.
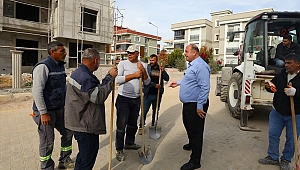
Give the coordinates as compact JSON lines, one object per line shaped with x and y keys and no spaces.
{"x":173,"y":84}
{"x":290,"y":91}
{"x":201,"y":113}
{"x":113,"y":71}
{"x":140,"y":66}
{"x":45,"y":119}
{"x":157,"y":86}
{"x":162,"y":68}
{"x":138,"y":74}
{"x":271,"y":86}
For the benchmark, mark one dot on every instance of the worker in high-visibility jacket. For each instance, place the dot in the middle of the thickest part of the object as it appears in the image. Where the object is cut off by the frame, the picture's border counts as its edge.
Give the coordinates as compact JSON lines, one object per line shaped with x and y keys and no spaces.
{"x":49,"y":90}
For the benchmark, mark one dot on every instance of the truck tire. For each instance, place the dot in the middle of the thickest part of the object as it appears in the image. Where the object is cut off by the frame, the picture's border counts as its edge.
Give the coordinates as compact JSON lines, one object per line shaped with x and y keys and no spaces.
{"x":223,"y":95}
{"x":234,"y":94}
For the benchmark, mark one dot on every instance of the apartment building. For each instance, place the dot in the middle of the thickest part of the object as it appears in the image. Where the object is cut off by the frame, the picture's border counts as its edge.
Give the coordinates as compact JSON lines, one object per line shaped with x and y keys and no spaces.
{"x":126,"y":37}
{"x":168,"y":46}
{"x":215,"y":32}
{"x":28,"y":25}
{"x":196,"y":32}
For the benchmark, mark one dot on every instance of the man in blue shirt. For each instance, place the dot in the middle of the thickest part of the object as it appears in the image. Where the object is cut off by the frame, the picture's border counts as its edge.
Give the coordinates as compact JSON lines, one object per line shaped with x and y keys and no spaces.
{"x":194,"y":91}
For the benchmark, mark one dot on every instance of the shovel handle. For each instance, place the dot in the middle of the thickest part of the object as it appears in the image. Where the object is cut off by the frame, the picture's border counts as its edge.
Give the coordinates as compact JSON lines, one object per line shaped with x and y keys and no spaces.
{"x":158,"y":94}
{"x":294,"y":129}
{"x":142,"y":110}
{"x":111,"y":121}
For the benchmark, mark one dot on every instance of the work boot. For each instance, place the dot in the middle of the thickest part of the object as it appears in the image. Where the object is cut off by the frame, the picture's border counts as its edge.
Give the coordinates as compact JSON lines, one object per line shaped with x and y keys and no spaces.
{"x":68,"y":163}
{"x":284,"y":165}
{"x":132,"y":147}
{"x":268,"y":161}
{"x":120,"y":156}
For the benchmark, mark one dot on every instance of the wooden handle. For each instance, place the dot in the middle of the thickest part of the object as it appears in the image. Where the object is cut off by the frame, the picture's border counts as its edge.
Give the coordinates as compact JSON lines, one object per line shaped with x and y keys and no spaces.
{"x":111,"y":121}
{"x":294,"y":129}
{"x":142,"y":111}
{"x":158,"y":94}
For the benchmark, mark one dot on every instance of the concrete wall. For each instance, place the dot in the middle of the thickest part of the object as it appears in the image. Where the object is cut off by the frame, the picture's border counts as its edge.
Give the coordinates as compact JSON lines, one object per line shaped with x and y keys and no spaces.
{"x":69,"y":18}
{"x":6,"y":39}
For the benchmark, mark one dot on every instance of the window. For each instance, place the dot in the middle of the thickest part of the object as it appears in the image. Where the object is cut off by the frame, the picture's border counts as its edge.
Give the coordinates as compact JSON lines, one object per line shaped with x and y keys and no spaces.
{"x":137,"y":39}
{"x":8,"y":8}
{"x":217,"y":23}
{"x":180,"y":46}
{"x":217,"y":37}
{"x":179,"y":34}
{"x":73,"y":53}
{"x":146,"y":40}
{"x":233,"y":28}
{"x":89,"y":20}
{"x":232,"y":47}
{"x":216,"y":51}
{"x":29,"y":57}
{"x":194,"y":34}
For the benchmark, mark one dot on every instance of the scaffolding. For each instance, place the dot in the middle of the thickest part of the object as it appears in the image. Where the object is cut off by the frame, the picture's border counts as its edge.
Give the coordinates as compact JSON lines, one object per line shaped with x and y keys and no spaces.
{"x":100,"y":29}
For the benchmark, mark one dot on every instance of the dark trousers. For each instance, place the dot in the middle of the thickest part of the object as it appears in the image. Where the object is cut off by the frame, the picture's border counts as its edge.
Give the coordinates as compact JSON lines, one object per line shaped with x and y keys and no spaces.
{"x":88,"y":145}
{"x":148,"y":101}
{"x":46,"y":134}
{"x":194,"y":126}
{"x":127,"y":115}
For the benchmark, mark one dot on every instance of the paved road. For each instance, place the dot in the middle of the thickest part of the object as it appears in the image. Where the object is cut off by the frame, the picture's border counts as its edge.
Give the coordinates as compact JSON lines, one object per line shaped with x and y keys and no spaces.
{"x":225,"y":146}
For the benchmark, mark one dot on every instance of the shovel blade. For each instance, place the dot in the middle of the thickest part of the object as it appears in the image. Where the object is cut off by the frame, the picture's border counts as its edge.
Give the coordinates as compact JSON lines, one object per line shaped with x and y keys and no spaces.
{"x":145,"y":155}
{"x":154,"y":132}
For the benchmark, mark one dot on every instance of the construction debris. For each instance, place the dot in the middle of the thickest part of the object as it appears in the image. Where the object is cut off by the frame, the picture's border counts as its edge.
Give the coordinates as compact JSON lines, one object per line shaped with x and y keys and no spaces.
{"x":6,"y":80}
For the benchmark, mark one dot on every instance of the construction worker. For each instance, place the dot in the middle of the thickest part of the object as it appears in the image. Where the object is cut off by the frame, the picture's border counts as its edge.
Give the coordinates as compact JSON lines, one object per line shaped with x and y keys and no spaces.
{"x":280,"y":116}
{"x":85,"y":110}
{"x":128,"y":100}
{"x":151,"y":90}
{"x":284,"y":48}
{"x":49,"y":90}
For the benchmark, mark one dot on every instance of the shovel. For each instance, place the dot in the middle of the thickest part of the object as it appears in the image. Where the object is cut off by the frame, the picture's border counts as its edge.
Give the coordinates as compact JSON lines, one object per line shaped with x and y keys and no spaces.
{"x":294,"y":131}
{"x":155,"y":131}
{"x":145,"y":151}
{"x":111,"y":122}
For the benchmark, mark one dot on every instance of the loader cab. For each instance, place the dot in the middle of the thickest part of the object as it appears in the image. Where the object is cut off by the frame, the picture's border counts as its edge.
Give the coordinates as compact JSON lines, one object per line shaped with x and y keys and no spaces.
{"x":265,"y":31}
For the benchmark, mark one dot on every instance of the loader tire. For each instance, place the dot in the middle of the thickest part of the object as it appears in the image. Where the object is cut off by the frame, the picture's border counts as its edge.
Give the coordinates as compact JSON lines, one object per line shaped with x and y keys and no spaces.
{"x":234,"y":94}
{"x":223,"y":95}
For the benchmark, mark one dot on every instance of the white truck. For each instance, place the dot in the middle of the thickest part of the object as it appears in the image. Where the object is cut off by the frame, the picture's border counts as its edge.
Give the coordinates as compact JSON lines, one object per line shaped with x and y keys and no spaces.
{"x":243,"y":86}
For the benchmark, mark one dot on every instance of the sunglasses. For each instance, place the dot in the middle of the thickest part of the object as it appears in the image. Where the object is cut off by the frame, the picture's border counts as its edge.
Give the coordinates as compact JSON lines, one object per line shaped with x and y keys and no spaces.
{"x":130,"y":52}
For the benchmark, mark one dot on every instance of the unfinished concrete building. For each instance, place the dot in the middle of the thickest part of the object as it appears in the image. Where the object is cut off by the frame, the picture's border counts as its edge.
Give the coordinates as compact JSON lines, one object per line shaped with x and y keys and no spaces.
{"x":29,"y":25}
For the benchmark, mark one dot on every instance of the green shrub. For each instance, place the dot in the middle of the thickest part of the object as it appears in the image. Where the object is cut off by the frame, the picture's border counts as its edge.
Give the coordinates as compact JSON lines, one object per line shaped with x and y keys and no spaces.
{"x":145,"y":59}
{"x":215,"y":66}
{"x":180,"y":64}
{"x":177,"y":53}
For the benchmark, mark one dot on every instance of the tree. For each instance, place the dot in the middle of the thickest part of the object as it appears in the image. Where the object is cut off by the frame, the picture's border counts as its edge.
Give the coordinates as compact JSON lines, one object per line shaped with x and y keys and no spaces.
{"x":163,"y":55}
{"x":180,"y":64}
{"x":177,"y":53}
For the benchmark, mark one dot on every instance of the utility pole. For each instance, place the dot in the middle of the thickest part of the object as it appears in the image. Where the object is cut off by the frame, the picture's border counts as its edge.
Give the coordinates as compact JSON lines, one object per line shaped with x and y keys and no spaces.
{"x":156,"y":35}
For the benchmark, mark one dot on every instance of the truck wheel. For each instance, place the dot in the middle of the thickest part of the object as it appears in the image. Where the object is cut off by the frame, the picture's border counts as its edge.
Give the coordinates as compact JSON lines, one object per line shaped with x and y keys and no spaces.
{"x":223,"y":95}
{"x":234,"y":94}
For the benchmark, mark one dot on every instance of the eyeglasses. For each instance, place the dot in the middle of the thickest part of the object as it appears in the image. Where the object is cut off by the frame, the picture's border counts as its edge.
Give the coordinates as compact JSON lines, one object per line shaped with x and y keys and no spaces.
{"x":130,"y":52}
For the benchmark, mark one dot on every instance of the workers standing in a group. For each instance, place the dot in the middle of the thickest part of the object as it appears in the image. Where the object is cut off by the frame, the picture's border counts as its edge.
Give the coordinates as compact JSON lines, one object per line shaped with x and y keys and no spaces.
{"x":49,"y":90}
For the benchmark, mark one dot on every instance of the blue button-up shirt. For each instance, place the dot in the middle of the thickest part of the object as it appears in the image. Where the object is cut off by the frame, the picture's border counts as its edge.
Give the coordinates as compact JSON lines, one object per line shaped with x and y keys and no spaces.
{"x":195,"y":84}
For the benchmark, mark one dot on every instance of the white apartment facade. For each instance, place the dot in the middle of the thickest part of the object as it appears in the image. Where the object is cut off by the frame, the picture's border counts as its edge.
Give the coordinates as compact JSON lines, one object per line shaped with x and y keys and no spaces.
{"x":215,"y":32}
{"x":28,"y":25}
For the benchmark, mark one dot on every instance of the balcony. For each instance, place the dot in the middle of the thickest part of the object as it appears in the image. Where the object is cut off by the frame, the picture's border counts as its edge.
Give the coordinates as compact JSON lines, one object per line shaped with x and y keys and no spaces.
{"x":24,"y":25}
{"x":124,"y":41}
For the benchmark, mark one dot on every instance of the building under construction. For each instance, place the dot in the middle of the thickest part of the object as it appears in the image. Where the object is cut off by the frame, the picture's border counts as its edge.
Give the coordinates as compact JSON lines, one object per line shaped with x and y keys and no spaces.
{"x":28,"y":25}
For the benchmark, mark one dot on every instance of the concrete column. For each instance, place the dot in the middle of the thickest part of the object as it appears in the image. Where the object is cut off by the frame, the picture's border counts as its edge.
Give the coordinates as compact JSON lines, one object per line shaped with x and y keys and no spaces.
{"x":16,"y":69}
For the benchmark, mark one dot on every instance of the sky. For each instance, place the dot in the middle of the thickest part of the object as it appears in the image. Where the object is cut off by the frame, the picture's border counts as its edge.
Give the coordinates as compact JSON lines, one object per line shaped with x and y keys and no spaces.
{"x":138,"y":13}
